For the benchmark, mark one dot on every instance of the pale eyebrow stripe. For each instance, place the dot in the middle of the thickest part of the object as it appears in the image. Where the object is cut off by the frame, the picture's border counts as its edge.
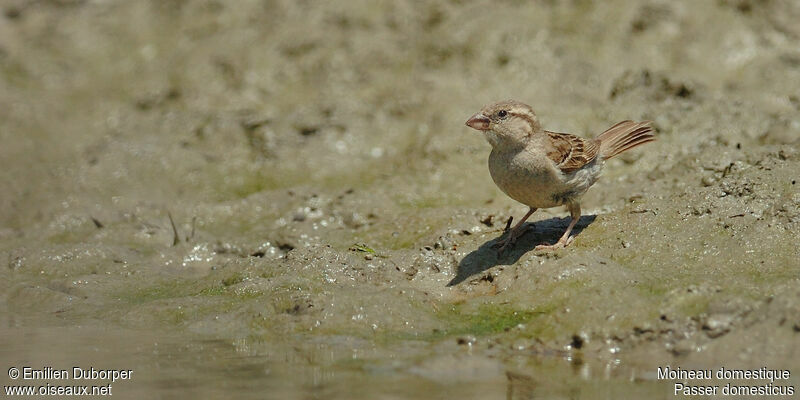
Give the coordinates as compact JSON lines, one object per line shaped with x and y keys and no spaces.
{"x":525,"y":117}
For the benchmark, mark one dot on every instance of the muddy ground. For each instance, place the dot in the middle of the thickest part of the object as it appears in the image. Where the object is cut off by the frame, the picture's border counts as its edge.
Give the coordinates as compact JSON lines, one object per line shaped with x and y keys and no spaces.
{"x":333,"y":217}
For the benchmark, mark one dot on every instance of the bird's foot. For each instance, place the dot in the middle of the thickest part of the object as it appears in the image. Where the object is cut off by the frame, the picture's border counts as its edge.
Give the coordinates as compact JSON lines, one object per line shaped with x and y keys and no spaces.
{"x":509,"y":241}
{"x":504,"y":244}
{"x":557,"y":245}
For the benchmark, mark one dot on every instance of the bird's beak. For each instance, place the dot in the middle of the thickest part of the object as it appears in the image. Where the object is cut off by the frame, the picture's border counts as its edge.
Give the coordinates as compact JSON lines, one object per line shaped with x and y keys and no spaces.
{"x":479,"y":122}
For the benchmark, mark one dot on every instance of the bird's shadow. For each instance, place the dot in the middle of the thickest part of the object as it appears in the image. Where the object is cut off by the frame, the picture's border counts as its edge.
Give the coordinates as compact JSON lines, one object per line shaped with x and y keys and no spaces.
{"x":542,"y":232}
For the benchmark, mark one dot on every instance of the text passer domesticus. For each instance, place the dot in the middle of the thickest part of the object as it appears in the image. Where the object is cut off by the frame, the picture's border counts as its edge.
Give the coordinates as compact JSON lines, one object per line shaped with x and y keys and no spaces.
{"x":544,"y":169}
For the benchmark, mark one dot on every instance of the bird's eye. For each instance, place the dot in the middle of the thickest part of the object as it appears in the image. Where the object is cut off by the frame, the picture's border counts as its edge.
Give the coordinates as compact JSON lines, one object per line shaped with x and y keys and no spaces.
{"x":502,"y":113}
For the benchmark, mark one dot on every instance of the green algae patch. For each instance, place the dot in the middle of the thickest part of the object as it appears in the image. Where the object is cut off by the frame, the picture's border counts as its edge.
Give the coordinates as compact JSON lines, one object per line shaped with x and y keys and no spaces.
{"x":487,"y":320}
{"x":233,"y":279}
{"x":166,"y":290}
{"x":181,"y":288}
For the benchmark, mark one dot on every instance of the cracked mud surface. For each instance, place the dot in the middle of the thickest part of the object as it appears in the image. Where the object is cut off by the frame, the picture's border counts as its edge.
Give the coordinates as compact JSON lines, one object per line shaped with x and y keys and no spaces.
{"x":335,"y":218}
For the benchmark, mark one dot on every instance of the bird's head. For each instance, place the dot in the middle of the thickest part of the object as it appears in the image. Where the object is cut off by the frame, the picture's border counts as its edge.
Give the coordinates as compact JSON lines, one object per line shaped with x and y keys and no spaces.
{"x":506,"y":123}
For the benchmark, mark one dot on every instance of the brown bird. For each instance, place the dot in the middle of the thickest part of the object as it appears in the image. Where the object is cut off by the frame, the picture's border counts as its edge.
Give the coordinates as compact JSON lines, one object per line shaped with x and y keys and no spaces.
{"x":544,"y":169}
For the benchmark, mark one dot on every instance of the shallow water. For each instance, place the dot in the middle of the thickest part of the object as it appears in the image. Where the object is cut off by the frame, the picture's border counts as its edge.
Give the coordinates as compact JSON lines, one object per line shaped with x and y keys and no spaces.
{"x":170,"y":365}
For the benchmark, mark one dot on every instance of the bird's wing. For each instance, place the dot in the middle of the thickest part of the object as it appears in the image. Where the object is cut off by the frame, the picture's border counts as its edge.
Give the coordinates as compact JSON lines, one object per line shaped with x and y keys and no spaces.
{"x":569,"y":152}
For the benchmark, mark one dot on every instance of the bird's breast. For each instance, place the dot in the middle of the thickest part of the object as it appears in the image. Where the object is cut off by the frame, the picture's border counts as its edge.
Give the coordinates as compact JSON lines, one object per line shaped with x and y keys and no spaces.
{"x":527,"y":177}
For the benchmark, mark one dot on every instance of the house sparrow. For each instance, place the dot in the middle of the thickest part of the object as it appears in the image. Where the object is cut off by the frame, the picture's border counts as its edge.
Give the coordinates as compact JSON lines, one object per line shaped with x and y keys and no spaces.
{"x":544,"y":169}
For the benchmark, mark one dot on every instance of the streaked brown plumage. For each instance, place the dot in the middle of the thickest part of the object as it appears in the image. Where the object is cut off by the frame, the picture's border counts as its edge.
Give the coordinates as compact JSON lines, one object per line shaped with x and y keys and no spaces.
{"x":544,"y":169}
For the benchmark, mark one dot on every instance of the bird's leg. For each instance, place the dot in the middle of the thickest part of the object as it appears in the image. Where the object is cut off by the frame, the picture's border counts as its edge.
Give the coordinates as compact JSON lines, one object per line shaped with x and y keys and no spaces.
{"x":516,"y":232}
{"x":575,"y":213}
{"x":508,"y":224}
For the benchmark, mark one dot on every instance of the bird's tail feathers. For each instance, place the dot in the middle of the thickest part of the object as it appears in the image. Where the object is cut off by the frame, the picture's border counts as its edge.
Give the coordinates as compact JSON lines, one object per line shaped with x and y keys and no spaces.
{"x":624,"y":136}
